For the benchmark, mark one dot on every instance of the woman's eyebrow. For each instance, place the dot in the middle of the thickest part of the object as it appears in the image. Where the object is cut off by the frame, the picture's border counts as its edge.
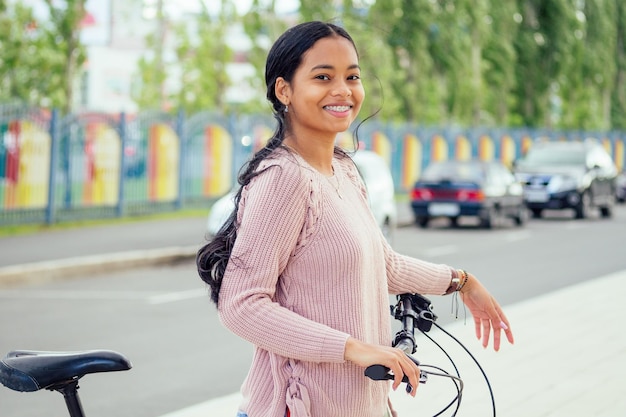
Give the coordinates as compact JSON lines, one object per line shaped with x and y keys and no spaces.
{"x":330,"y":67}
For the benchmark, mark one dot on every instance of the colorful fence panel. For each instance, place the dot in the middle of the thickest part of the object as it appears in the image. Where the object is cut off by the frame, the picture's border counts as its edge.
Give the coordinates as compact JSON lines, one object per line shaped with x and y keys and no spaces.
{"x":97,"y":165}
{"x":25,"y":167}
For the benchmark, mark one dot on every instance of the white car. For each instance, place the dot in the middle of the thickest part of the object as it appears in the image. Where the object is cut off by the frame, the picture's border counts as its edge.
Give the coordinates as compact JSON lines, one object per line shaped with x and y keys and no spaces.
{"x":380,"y":188}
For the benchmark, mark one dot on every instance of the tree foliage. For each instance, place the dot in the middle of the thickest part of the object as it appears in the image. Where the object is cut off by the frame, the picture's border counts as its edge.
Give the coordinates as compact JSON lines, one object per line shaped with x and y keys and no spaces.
{"x":537,"y":63}
{"x":41,"y":59}
{"x":203,"y":56}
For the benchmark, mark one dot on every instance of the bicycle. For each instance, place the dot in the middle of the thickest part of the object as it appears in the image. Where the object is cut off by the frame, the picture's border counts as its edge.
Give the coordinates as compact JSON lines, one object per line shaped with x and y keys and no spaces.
{"x":415,"y":311}
{"x":29,"y":371}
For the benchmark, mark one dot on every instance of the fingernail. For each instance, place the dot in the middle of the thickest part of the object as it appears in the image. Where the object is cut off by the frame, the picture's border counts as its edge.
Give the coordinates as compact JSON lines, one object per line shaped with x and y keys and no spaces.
{"x":504,"y":326}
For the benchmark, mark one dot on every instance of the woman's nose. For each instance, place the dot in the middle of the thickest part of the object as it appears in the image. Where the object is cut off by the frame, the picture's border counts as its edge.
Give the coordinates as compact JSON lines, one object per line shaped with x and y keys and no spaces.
{"x":341,"y":89}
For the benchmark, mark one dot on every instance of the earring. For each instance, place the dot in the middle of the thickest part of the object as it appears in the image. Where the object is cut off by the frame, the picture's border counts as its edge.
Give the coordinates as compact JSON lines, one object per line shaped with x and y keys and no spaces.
{"x":286,"y":108}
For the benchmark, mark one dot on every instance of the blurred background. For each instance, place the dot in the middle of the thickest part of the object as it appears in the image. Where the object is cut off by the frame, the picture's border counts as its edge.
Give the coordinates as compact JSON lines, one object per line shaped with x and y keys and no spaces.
{"x":111,"y":108}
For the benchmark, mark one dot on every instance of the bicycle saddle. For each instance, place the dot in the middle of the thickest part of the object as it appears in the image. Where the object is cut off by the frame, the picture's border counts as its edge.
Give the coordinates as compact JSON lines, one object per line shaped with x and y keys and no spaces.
{"x":30,"y":370}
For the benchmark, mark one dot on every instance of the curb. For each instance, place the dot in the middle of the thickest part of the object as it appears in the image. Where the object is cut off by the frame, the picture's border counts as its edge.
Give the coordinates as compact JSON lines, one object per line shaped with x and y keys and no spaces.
{"x":40,"y":272}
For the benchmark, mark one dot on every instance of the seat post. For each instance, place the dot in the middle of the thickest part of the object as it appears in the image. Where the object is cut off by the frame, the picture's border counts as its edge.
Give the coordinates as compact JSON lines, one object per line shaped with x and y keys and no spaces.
{"x":72,"y":400}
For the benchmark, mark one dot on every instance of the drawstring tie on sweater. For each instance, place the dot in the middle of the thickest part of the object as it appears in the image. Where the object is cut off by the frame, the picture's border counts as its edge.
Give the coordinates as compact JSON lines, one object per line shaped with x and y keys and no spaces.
{"x":298,"y":400}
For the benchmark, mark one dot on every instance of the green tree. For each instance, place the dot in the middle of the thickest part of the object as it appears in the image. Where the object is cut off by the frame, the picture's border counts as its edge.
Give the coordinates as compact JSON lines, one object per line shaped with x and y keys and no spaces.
{"x":499,"y":60}
{"x":151,"y":66}
{"x":63,"y":36}
{"x":19,"y":77}
{"x":41,"y":59}
{"x":586,"y":91}
{"x":407,"y":26}
{"x":262,"y":26}
{"x":323,"y":10}
{"x":543,"y":46}
{"x":618,"y":97}
{"x":203,"y":56}
{"x":455,"y":45}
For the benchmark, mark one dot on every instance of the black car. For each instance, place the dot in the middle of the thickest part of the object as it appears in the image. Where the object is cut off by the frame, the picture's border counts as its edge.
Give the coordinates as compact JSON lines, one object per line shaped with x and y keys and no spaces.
{"x":454,"y":189}
{"x":568,"y":175}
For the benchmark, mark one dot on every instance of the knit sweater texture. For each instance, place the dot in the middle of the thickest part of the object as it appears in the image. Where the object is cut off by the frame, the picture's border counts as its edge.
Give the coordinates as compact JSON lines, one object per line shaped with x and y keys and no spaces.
{"x":309,"y":269}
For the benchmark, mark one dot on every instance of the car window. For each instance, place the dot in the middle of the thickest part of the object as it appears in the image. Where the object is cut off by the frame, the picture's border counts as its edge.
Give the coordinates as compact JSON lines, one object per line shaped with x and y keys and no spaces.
{"x":454,"y":171}
{"x":554,"y":155}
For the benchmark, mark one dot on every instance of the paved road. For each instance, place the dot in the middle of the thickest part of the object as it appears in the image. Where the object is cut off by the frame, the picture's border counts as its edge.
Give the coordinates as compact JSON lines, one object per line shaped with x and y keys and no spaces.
{"x":102,"y":239}
{"x":569,"y":359}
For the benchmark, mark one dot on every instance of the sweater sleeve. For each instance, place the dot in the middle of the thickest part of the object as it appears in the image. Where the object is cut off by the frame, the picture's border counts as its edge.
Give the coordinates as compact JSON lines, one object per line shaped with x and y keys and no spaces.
{"x":272,"y":216}
{"x":406,"y":274}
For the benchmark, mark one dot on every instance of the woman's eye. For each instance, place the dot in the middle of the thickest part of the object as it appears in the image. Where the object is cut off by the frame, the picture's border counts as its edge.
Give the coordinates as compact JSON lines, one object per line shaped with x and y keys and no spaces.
{"x":322,"y":77}
{"x":354,"y":77}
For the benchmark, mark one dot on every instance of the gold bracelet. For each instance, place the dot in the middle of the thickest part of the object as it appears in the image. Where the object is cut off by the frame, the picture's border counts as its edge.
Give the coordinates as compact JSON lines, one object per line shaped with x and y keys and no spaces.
{"x":464,"y":278}
{"x":454,"y":282}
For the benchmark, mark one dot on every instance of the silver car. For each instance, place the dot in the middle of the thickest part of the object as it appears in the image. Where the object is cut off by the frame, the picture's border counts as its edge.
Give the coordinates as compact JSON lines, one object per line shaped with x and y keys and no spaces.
{"x":376,"y":176}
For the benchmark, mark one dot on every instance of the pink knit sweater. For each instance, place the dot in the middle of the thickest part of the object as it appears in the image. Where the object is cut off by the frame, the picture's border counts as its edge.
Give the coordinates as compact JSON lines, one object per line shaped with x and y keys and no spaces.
{"x":310,"y":268}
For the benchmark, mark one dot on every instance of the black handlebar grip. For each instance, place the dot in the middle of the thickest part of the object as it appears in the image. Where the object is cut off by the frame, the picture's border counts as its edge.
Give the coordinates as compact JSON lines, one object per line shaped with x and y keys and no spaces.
{"x":377,"y":372}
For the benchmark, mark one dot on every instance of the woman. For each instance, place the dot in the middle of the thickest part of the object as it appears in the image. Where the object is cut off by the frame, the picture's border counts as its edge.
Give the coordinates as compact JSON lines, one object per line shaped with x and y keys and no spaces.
{"x":301,"y":269}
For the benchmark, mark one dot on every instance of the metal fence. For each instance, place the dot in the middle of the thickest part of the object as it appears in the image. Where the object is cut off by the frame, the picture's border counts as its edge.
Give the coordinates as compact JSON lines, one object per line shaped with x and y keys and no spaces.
{"x":57,"y":168}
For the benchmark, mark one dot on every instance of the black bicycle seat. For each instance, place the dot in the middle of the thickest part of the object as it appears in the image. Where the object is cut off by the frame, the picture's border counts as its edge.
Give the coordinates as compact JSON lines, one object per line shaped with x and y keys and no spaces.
{"x":30,"y":370}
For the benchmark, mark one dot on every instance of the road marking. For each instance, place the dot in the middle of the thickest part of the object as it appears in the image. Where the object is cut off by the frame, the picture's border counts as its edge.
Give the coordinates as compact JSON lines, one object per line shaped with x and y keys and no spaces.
{"x":516,"y":236}
{"x":172,"y":297}
{"x":441,"y":251}
{"x":576,"y":225}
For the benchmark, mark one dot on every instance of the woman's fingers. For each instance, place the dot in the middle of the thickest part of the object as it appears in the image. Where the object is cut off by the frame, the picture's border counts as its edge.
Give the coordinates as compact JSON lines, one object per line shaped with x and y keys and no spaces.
{"x":487,"y":314}
{"x":399,"y":363}
{"x":486,"y":332}
{"x":405,"y":366}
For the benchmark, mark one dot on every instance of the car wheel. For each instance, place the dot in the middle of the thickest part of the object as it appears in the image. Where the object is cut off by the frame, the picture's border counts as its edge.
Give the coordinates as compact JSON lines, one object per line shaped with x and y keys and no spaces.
{"x":607,"y":211}
{"x":582,"y":209}
{"x":536,"y":213}
{"x":422,"y":221}
{"x":521,"y":216}
{"x":486,"y":220}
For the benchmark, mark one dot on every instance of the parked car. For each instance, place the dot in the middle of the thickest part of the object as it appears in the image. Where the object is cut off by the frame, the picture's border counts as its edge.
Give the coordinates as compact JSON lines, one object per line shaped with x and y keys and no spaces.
{"x":376,"y":176}
{"x":568,"y":175}
{"x":621,"y":187}
{"x":480,"y":189}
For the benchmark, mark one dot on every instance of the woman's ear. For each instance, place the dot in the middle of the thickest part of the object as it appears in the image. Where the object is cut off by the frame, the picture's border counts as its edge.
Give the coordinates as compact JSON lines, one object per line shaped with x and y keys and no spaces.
{"x":282,"y":89}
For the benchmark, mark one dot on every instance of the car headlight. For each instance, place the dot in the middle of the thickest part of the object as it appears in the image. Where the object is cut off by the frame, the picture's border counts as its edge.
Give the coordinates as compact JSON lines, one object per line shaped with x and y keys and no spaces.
{"x":560,"y":183}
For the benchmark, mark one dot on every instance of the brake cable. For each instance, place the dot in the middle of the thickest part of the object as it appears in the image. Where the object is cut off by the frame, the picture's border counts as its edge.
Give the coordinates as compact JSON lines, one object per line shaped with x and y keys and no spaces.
{"x":415,"y":311}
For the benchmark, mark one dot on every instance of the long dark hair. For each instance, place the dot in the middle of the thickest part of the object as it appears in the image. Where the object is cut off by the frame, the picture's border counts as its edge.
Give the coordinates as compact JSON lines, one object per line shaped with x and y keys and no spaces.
{"x":283,"y":60}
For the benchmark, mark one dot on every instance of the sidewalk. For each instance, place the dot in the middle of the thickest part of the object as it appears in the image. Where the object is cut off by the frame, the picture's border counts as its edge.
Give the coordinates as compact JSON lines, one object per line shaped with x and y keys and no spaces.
{"x":54,"y":254}
{"x":569,"y":359}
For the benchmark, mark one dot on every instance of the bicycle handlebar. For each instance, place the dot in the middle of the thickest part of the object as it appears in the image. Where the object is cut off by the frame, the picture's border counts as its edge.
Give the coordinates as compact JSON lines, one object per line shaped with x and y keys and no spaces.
{"x":413,"y":310}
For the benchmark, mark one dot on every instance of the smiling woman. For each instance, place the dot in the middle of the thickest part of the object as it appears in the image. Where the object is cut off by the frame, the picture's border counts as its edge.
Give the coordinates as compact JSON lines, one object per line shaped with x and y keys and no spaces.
{"x":301,"y":268}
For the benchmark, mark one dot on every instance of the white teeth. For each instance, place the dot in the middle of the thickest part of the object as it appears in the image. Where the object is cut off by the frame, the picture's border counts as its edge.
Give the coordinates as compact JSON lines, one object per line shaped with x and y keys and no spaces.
{"x":338,"y":108}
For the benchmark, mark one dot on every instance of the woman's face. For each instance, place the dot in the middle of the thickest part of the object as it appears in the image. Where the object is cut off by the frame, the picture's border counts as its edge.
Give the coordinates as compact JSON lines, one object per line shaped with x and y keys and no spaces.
{"x":325,"y":94}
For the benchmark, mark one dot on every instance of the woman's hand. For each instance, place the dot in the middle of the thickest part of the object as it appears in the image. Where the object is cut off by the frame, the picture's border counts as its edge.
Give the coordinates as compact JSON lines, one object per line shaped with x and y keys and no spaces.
{"x":366,"y":354}
{"x":486,"y":312}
